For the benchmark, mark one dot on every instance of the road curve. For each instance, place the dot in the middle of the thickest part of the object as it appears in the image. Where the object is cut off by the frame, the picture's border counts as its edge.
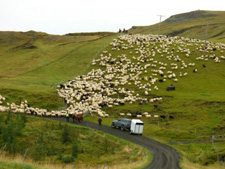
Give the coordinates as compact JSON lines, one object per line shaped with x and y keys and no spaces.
{"x":164,"y":157}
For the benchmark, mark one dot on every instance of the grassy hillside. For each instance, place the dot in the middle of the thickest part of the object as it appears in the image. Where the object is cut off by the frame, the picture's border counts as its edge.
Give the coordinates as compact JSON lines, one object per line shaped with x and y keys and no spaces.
{"x":197,"y":104}
{"x":191,"y":25}
{"x":59,"y":143}
{"x":33,"y":63}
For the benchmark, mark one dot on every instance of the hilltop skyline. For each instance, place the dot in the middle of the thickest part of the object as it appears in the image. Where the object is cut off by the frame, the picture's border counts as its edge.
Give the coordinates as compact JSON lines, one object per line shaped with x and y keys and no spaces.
{"x":57,"y":17}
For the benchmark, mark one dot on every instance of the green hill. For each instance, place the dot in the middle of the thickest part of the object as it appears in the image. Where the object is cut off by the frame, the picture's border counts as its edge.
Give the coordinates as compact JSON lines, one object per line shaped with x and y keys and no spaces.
{"x":33,"y":63}
{"x":191,"y":25}
{"x":197,"y":104}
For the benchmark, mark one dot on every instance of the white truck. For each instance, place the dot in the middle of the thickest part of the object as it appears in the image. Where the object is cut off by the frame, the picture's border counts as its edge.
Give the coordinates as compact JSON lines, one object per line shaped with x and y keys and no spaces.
{"x":136,"y":127}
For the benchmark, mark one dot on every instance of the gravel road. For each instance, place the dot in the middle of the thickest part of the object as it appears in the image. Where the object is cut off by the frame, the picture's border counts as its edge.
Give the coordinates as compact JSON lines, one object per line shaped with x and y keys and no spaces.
{"x":164,"y":157}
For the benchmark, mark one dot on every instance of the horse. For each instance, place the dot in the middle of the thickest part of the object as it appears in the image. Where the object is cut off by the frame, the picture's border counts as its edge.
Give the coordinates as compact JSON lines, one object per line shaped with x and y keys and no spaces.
{"x":77,"y":117}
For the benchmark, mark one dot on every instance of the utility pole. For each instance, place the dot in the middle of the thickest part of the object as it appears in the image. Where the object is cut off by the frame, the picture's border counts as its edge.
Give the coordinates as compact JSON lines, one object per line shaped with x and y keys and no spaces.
{"x":206,"y":35}
{"x":160,"y":17}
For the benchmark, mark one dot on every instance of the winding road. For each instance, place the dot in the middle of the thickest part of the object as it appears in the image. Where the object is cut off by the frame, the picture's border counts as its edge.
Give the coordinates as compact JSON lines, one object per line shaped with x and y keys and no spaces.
{"x":164,"y":157}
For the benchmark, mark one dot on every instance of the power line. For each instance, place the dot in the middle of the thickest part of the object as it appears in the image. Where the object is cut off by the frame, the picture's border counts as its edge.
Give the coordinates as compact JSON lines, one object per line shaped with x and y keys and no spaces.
{"x":206,"y":35}
{"x":160,"y":16}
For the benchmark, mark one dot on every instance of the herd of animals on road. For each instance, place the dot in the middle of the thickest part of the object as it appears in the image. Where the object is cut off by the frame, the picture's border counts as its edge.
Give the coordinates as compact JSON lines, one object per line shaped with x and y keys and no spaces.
{"x":140,"y":61}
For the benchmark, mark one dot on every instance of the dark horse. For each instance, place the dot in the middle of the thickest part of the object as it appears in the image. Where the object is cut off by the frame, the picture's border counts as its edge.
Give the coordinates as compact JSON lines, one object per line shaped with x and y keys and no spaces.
{"x":77,"y":117}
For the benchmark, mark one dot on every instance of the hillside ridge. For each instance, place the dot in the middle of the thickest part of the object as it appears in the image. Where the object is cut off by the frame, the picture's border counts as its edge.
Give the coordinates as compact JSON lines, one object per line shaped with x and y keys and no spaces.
{"x":189,"y":25}
{"x":184,"y":17}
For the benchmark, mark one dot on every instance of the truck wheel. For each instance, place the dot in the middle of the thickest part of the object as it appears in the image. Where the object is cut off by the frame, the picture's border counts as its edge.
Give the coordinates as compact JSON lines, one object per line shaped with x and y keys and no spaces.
{"x":113,"y":125}
{"x":122,"y":128}
{"x":131,"y":133}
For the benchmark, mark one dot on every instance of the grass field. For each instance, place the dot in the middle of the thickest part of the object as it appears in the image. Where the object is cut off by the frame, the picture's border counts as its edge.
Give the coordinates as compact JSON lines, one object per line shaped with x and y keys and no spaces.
{"x":197,"y":105}
{"x":55,"y":144}
{"x":32,"y":64}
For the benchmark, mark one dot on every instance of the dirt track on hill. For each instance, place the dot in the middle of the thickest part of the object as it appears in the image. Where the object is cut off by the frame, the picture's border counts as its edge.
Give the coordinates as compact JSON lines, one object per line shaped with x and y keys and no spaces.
{"x":164,"y":157}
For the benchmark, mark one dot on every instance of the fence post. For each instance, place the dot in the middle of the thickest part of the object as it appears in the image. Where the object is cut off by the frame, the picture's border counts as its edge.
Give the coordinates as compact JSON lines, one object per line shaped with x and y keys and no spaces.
{"x":3,"y":149}
{"x":104,"y":165}
{"x":217,"y":152}
{"x":53,"y":160}
{"x":74,"y":166}
{"x":25,"y":155}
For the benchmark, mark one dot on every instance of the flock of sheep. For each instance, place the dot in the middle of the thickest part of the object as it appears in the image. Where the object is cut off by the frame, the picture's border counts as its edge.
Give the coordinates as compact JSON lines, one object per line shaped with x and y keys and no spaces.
{"x":128,"y":72}
{"x":131,"y":69}
{"x":24,"y":108}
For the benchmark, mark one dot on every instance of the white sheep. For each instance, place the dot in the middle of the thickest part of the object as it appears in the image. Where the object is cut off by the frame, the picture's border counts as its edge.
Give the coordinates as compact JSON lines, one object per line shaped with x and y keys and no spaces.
{"x":128,"y":114}
{"x":148,"y":115}
{"x":139,"y":116}
{"x":145,"y":113}
{"x":146,"y":92}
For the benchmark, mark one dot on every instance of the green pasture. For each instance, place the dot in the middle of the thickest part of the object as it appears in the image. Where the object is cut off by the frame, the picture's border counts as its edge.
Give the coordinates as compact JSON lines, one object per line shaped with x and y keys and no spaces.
{"x":197,"y":105}
{"x":33,"y":64}
{"x":33,"y":74}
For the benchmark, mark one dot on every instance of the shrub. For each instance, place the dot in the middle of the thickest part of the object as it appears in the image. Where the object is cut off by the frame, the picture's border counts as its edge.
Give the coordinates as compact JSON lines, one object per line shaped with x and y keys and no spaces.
{"x":65,"y":134}
{"x":75,"y":150}
{"x":68,"y":159}
{"x":38,"y":152}
{"x":51,"y":150}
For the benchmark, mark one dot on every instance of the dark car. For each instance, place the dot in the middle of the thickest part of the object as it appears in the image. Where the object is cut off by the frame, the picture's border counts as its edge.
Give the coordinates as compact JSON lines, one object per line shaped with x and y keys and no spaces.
{"x":123,"y":124}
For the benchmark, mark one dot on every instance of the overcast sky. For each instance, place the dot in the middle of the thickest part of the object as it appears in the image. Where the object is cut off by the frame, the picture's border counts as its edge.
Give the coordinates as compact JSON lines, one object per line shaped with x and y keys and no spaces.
{"x":69,"y":16}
